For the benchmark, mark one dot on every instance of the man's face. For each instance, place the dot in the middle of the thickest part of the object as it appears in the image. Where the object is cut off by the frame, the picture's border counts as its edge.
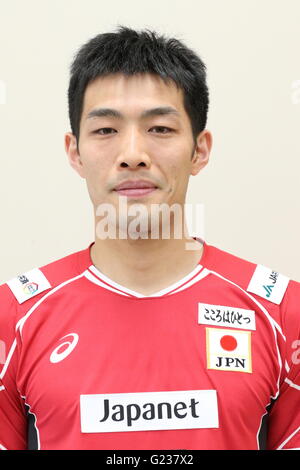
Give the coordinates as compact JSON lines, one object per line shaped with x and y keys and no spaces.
{"x":136,"y":128}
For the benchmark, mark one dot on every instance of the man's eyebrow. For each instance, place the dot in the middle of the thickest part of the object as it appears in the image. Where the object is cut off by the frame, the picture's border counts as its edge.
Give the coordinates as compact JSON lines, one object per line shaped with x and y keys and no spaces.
{"x":110,"y":112}
{"x":160,"y":111}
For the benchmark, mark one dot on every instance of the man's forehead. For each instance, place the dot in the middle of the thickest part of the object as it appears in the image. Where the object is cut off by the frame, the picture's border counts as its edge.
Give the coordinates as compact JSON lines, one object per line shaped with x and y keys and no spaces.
{"x":143,"y":91}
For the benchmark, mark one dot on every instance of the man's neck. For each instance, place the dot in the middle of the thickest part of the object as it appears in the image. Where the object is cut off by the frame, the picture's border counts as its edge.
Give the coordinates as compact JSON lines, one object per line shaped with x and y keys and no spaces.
{"x":146,"y":265}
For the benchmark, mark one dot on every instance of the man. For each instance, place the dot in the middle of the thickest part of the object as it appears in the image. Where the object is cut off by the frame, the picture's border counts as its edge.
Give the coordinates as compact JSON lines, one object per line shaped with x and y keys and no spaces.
{"x":144,"y":341}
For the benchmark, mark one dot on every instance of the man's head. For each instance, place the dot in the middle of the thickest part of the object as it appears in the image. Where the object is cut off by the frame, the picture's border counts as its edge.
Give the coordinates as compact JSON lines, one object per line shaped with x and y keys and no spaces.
{"x":129,"y":52}
{"x":138,"y":108}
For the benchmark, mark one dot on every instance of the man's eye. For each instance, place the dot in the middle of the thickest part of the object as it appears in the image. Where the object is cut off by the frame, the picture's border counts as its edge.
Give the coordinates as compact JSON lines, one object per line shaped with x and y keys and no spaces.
{"x":104,"y":131}
{"x":161,"y":130}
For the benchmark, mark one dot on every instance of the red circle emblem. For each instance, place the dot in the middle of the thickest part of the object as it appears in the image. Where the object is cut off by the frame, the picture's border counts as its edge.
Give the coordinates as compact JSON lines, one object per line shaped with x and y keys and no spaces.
{"x":229,"y":343}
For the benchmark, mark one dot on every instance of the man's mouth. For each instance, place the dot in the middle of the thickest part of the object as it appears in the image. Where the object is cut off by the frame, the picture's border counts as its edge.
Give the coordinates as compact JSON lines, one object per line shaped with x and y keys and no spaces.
{"x":135,"y":188}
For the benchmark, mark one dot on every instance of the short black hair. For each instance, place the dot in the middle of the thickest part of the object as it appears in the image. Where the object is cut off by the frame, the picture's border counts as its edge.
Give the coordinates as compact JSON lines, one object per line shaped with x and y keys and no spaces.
{"x":130,"y":52}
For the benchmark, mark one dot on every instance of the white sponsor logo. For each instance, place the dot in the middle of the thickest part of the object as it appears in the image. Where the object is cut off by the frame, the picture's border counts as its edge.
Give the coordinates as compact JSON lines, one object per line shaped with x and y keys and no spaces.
{"x":228,"y":349}
{"x":268,"y":284}
{"x":221,"y":315}
{"x":28,"y":285}
{"x":61,"y":352}
{"x":146,"y":411}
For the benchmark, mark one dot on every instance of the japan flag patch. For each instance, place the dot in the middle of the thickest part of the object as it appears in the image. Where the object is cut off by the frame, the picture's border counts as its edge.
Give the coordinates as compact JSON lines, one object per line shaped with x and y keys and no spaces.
{"x":228,"y":350}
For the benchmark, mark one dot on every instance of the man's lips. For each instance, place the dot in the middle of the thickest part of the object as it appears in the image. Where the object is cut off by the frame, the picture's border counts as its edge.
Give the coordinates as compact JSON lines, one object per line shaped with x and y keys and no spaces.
{"x":135,"y":188}
{"x":135,"y":184}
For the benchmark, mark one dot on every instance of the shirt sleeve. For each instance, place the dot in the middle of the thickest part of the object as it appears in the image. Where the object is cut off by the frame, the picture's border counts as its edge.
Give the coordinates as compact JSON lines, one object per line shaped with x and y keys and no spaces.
{"x":13,"y":423}
{"x":284,"y":419}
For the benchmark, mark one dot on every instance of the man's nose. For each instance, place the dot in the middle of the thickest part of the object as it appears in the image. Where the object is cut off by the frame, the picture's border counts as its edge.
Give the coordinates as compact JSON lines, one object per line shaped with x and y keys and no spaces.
{"x":133,"y":152}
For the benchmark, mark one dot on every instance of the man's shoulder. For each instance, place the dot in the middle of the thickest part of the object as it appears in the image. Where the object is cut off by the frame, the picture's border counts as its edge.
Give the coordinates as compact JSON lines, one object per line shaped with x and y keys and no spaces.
{"x":227,"y":264}
{"x":27,"y":287}
{"x":264,"y":282}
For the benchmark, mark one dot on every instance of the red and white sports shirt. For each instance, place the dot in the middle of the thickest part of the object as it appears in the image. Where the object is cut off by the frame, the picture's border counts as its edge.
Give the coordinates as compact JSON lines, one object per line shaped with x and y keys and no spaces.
{"x":94,"y":365}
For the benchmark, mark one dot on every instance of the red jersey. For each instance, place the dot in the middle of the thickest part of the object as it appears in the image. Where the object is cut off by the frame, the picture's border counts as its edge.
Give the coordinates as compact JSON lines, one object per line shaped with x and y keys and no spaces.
{"x":95,"y":365}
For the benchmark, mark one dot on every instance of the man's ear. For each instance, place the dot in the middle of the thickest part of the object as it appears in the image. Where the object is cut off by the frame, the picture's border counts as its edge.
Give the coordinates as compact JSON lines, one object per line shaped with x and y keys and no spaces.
{"x":202,"y":151}
{"x":73,"y":154}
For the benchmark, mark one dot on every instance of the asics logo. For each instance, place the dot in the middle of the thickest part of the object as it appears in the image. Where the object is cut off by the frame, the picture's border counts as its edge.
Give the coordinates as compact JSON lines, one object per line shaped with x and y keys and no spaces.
{"x":61,"y":352}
